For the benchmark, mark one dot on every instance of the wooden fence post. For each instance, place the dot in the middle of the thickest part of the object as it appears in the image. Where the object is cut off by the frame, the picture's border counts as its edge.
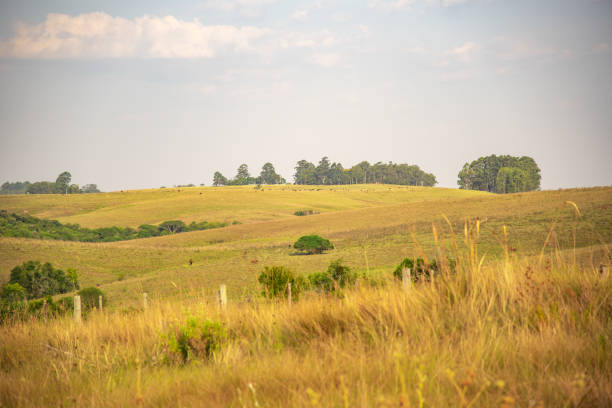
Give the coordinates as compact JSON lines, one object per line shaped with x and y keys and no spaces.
{"x":289,"y":293}
{"x":222,"y":296}
{"x":100,"y":302}
{"x":77,"y":309}
{"x":145,"y":301}
{"x":406,"y":279}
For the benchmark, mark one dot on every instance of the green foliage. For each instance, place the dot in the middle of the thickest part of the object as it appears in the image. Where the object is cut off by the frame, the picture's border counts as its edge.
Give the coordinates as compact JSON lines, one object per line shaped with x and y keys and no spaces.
{"x":268,"y":175}
{"x":172,"y":227}
{"x":500,"y":174}
{"x":274,"y":281}
{"x":418,"y":269}
{"x":27,"y":226}
{"x":337,"y":276}
{"x":13,"y":292}
{"x":312,"y":244}
{"x":302,"y":213}
{"x":219,"y":179}
{"x":15,"y":188}
{"x":388,"y":173}
{"x":40,"y":280}
{"x":196,"y":338}
{"x":90,"y":298}
{"x":90,"y":189}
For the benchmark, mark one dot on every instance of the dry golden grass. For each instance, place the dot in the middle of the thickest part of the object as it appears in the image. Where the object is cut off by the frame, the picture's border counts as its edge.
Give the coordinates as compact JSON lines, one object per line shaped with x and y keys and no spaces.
{"x":519,"y":331}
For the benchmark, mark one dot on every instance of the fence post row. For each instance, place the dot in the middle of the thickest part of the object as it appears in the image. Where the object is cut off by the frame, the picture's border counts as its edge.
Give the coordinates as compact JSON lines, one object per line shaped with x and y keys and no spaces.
{"x":100,"y":302}
{"x":406,"y":280}
{"x":77,"y":309}
{"x":145,"y":301}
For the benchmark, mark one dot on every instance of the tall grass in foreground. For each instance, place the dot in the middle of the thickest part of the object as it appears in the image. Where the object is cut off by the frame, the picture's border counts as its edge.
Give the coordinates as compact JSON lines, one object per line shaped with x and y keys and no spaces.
{"x":522,"y":332}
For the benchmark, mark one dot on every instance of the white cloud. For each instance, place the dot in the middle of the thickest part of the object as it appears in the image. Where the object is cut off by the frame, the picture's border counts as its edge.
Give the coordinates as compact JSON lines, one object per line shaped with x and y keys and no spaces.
{"x":326,"y":60}
{"x":464,"y":52}
{"x":319,"y":39}
{"x":99,"y":35}
{"x":300,"y":15}
{"x":248,"y":7}
{"x":390,"y":5}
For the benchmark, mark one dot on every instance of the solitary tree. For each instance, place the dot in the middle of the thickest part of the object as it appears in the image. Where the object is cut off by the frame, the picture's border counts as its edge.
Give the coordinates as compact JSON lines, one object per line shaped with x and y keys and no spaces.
{"x":268,"y":175}
{"x":312,"y":244}
{"x":62,"y":183}
{"x":219,"y":179}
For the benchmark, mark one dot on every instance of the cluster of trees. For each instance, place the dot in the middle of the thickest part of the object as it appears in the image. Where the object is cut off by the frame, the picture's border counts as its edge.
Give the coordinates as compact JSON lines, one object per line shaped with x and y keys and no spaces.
{"x":362,"y":173}
{"x":330,"y":173}
{"x":500,"y":174}
{"x":267,"y":175}
{"x":28,"y":226}
{"x":62,"y":185}
{"x":35,"y":280}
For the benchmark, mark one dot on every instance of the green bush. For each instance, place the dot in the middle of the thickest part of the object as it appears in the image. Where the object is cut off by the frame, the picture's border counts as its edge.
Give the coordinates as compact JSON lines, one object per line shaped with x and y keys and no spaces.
{"x":90,"y":298}
{"x":196,"y":338}
{"x":312,"y":244}
{"x":337,"y":276}
{"x":302,"y":213}
{"x":419,"y":269}
{"x":274,"y":281}
{"x":13,"y":292}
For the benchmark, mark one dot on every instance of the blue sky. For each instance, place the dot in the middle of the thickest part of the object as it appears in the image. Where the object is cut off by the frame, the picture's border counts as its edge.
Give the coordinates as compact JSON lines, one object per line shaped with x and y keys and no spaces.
{"x":150,"y":93}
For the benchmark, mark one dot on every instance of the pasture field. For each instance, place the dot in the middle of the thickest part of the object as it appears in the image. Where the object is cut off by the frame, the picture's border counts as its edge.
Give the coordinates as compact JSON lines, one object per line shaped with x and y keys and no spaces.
{"x":524,"y":320}
{"x":372,"y":226}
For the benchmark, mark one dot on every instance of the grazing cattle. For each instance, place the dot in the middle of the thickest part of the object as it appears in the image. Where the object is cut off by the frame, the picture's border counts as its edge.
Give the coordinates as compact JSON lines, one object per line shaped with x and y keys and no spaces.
{"x":190,"y":261}
{"x":254,"y":261}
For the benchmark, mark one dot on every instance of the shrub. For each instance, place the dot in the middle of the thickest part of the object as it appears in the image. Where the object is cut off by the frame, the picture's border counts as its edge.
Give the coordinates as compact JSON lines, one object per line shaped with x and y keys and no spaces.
{"x":274,"y":281}
{"x":196,"y":338}
{"x":336,"y":276}
{"x":418,"y":269}
{"x":13,"y":292}
{"x":90,"y":298}
{"x":312,"y":244}
{"x":302,"y":213}
{"x":43,"y":280}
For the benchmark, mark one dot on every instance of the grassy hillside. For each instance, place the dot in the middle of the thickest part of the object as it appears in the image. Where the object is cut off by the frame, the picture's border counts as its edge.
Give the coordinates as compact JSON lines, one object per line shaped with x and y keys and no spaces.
{"x":514,"y":332}
{"x":372,"y":226}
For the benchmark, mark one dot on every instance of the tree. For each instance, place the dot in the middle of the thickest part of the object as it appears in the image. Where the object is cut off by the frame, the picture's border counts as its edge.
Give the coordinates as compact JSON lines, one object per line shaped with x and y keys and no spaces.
{"x":304,"y":173}
{"x":42,"y":187}
{"x":268,"y":175}
{"x":322,"y":171}
{"x":40,"y":280}
{"x":500,"y":174}
{"x":15,"y":188}
{"x":219,"y":179}
{"x":90,"y":189}
{"x":312,"y":244}
{"x":62,"y":183}
{"x":172,"y":227}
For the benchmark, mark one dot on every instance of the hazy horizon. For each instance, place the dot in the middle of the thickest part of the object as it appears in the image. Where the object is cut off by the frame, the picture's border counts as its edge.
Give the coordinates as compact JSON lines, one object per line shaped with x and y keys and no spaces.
{"x":149,"y":94}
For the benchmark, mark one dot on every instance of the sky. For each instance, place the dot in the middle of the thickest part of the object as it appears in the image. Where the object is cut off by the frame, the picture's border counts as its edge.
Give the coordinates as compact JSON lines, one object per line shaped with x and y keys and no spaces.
{"x":152,"y":93}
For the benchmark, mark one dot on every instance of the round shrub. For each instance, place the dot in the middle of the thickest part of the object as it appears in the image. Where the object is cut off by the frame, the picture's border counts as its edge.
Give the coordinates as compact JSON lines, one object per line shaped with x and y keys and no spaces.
{"x":312,"y":244}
